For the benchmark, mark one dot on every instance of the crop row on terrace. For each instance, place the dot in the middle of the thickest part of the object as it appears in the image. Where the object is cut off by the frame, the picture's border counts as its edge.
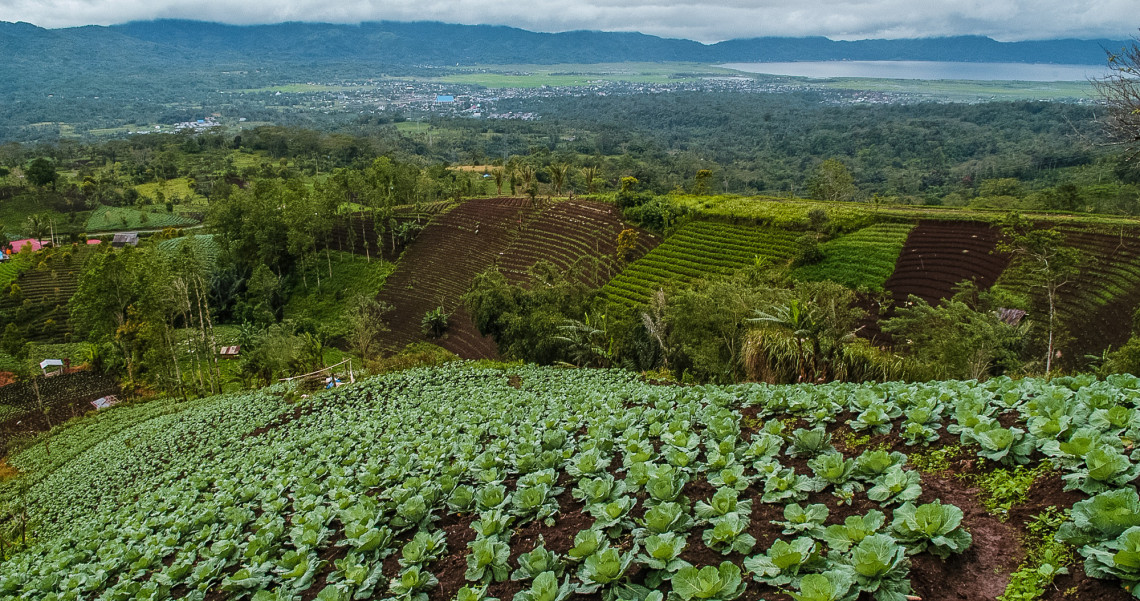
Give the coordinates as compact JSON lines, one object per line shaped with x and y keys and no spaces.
{"x":39,"y":298}
{"x":107,"y":218}
{"x":439,"y":267}
{"x":699,"y":249}
{"x":469,"y":483}
{"x":578,"y":235}
{"x":1103,"y":295}
{"x":861,"y":259}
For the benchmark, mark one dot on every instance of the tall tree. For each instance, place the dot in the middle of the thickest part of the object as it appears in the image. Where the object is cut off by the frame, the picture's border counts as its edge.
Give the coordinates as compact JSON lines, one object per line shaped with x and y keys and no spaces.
{"x":1049,"y":263}
{"x":1120,"y":92}
{"x":41,"y":172}
{"x":590,"y":173}
{"x":832,"y":181}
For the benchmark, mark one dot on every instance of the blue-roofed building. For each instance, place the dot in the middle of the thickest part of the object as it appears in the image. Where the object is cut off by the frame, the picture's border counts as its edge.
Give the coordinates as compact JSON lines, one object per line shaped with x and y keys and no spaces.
{"x":443,"y":98}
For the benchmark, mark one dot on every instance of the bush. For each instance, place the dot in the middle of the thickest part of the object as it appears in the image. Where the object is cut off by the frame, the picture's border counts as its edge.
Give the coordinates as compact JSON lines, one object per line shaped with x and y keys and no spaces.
{"x":808,"y":251}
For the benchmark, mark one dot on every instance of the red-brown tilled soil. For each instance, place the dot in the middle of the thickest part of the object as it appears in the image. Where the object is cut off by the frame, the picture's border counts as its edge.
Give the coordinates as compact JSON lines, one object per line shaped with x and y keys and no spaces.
{"x":512,"y":233}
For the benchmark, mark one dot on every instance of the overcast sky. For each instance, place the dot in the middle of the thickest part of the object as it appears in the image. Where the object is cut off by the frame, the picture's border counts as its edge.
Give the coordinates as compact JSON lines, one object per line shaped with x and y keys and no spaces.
{"x":692,"y":19}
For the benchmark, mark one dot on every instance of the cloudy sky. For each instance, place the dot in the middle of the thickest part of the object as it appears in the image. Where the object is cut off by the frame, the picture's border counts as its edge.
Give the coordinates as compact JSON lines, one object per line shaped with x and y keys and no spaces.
{"x":707,"y":21}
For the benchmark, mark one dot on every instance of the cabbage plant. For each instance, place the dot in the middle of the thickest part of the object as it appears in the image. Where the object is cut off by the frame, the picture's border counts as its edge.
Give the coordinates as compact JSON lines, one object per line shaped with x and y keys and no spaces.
{"x":412,"y":584}
{"x":487,"y":561}
{"x":538,"y":560}
{"x":840,"y":537}
{"x":782,"y":563}
{"x":603,"y":568}
{"x":804,"y":520}
{"x":896,"y":486}
{"x":728,"y":534}
{"x":662,"y":518}
{"x":721,"y":583}
{"x":832,"y":585}
{"x":881,"y":568}
{"x":1104,"y":468}
{"x":932,"y":526}
{"x":545,"y":587}
{"x":723,"y":502}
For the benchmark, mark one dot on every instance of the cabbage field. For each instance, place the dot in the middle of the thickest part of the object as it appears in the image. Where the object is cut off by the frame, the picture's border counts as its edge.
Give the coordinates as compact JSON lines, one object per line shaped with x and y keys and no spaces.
{"x":543,"y":484}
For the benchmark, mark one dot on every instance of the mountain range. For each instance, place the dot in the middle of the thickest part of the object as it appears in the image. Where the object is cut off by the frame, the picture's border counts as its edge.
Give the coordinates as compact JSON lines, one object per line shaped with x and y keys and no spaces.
{"x":166,"y":43}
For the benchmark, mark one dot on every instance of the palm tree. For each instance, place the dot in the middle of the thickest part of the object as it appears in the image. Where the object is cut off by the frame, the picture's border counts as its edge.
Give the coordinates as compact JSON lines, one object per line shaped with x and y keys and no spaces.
{"x":526,"y":173}
{"x":589,"y":173}
{"x":558,"y":172}
{"x":500,"y":175}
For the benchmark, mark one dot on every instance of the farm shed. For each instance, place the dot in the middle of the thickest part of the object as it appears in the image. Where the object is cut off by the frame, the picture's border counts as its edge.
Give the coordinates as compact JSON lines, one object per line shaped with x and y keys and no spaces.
{"x":122,"y":239}
{"x":56,"y":364}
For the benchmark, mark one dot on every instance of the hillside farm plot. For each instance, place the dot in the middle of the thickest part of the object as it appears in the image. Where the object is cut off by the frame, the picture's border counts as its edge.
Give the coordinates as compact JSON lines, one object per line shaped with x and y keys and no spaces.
{"x":574,"y":235}
{"x":531,"y":479}
{"x":438,"y":268}
{"x":63,"y":396}
{"x":105,"y":219}
{"x":37,"y":302}
{"x":204,"y":245}
{"x":1105,"y":293}
{"x":699,"y":249}
{"x":861,"y":259}
{"x":940,"y":254}
{"x":509,"y":233}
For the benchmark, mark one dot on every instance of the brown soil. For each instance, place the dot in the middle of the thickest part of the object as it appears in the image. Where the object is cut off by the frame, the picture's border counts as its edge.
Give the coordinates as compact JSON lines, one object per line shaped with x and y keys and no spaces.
{"x":511,"y":233}
{"x":939,"y":254}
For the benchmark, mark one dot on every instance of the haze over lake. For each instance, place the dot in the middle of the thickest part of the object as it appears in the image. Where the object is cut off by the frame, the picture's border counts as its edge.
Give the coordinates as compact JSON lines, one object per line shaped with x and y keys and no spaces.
{"x":925,"y":70}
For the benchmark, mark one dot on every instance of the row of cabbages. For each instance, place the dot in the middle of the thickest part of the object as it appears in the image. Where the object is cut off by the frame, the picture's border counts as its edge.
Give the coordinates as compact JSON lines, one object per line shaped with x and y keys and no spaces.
{"x":189,"y":502}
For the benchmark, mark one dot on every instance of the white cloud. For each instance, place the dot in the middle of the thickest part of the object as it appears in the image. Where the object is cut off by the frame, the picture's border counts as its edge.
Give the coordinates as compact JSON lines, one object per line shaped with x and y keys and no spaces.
{"x":692,"y":19}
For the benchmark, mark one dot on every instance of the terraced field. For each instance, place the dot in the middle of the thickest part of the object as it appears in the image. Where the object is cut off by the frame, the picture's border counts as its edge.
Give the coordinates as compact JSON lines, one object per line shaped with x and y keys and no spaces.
{"x":568,"y":234}
{"x":1105,"y":293}
{"x":697,"y":250}
{"x":467,"y":240}
{"x":352,"y":230}
{"x":939,"y":254}
{"x":862,"y":259}
{"x":439,"y":267}
{"x":207,"y":245}
{"x":534,"y":483}
{"x":106,"y":219}
{"x":41,"y":306}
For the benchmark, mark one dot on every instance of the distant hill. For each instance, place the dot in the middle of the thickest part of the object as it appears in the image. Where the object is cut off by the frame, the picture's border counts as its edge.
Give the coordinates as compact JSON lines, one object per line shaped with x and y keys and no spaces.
{"x":193,"y":43}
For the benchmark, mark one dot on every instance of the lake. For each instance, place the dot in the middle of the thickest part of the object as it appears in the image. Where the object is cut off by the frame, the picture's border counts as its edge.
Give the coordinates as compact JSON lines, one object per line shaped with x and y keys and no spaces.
{"x":925,"y":70}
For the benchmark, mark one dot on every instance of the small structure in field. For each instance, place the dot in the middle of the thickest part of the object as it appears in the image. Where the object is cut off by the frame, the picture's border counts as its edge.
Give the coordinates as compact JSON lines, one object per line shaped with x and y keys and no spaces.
{"x":122,"y":239}
{"x":56,"y":366}
{"x":105,"y":402}
{"x":1011,"y":316}
{"x":229,"y":352}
